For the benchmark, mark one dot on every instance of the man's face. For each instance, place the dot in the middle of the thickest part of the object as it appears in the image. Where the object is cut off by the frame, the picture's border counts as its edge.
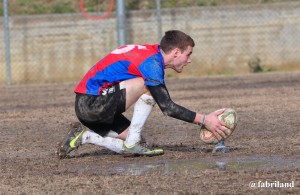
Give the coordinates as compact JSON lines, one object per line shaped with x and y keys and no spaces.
{"x":182,"y":59}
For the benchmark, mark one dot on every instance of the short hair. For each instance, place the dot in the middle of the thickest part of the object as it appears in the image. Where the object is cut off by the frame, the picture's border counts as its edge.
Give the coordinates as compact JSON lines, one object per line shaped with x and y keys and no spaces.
{"x":175,"y":39}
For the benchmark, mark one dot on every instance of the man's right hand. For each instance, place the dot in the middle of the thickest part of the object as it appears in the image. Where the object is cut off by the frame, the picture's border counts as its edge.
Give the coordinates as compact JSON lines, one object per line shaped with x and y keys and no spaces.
{"x":216,"y":126}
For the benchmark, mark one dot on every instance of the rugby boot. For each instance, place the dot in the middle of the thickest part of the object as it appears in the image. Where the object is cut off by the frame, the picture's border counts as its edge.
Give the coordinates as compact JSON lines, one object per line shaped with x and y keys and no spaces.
{"x":72,"y":140}
{"x":138,"y":150}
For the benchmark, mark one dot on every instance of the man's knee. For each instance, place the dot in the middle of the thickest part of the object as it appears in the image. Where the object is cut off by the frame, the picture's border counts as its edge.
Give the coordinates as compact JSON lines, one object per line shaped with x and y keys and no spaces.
{"x":148,"y":99}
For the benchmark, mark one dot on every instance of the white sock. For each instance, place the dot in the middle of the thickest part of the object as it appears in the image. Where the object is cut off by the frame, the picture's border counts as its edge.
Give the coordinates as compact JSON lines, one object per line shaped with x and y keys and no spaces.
{"x":112,"y":134}
{"x":114,"y":144}
{"x":142,"y":110}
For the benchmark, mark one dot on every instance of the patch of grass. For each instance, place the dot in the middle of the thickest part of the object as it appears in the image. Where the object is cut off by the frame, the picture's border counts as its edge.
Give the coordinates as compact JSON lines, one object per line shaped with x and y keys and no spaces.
{"x":27,"y":7}
{"x":186,"y":3}
{"x":214,"y":3}
{"x":256,"y":66}
{"x":202,"y":3}
{"x":132,"y":4}
{"x":62,"y":7}
{"x":269,"y":69}
{"x":39,"y":8}
{"x":173,"y":2}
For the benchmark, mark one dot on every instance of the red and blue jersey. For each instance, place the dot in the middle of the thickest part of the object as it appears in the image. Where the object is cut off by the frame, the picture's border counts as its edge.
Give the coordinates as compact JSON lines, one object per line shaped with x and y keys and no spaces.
{"x":126,"y":62}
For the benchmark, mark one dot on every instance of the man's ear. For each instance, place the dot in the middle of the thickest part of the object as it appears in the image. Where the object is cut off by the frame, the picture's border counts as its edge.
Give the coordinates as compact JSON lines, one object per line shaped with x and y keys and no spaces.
{"x":176,"y":52}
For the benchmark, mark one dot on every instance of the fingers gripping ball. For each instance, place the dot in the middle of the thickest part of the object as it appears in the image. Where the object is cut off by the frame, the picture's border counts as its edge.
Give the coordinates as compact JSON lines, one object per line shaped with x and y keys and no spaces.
{"x":229,"y":116}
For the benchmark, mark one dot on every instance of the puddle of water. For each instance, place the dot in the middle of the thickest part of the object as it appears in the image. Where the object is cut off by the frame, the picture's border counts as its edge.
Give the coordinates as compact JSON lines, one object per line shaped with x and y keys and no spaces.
{"x":200,"y":165}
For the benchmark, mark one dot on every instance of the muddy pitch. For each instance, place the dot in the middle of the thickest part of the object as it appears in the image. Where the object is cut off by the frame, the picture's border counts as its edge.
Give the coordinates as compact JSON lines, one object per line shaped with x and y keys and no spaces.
{"x":265,"y":145}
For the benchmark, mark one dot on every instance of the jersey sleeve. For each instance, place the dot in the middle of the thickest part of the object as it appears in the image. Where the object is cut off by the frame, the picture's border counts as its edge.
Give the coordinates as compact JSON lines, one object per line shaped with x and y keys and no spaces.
{"x":152,"y":70}
{"x":168,"y":107}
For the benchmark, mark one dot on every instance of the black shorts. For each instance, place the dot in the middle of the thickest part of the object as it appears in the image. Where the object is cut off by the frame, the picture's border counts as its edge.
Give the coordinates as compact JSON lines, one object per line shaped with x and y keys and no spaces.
{"x":103,"y":113}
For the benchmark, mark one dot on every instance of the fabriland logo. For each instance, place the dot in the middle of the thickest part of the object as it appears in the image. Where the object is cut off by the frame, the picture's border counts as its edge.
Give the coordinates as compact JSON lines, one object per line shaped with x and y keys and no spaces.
{"x":271,"y":184}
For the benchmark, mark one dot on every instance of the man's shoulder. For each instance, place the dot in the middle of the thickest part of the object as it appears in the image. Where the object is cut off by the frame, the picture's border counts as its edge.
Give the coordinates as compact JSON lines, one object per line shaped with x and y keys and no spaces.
{"x":148,"y":48}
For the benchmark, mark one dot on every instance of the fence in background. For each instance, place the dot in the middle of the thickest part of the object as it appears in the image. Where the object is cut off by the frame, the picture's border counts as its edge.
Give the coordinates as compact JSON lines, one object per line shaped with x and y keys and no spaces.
{"x":61,"y":48}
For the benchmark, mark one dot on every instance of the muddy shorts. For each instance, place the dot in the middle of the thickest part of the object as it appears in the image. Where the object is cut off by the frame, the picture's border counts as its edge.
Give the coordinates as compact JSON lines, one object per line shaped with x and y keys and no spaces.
{"x":103,"y":113}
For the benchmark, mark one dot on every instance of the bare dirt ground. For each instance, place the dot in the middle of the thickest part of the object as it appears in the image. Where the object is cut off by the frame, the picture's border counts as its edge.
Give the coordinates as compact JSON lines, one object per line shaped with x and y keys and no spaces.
{"x":265,"y":145}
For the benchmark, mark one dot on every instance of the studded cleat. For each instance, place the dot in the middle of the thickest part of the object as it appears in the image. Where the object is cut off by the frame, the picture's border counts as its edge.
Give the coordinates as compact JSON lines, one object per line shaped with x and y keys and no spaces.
{"x":138,"y":150}
{"x":72,"y":140}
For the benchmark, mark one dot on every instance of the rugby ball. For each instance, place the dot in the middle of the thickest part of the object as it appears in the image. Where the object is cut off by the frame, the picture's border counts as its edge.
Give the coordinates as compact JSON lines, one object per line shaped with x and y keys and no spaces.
{"x":229,"y":116}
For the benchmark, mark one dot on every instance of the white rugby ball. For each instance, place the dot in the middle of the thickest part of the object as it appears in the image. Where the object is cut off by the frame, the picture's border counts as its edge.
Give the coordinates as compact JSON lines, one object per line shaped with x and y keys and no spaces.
{"x":229,"y":116}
